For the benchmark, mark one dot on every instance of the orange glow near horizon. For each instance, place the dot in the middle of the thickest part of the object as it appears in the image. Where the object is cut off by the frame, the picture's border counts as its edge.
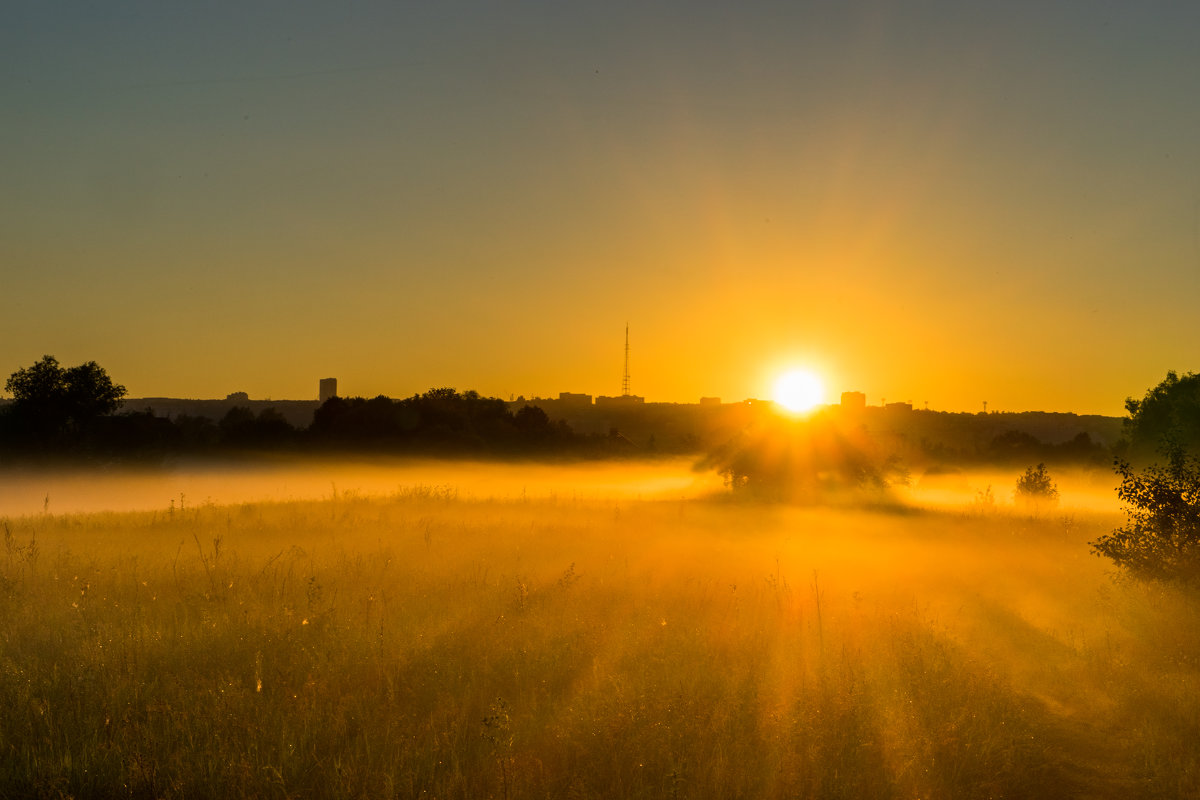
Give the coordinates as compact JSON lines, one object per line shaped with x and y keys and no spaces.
{"x":860,"y":191}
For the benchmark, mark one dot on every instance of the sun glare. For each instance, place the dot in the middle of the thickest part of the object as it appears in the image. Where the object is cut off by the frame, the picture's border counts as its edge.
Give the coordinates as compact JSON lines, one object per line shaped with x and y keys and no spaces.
{"x":799,"y":390}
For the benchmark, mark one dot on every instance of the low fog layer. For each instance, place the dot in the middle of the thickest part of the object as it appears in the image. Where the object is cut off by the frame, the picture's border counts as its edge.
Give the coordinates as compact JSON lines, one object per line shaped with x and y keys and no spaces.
{"x":69,"y":491}
{"x":63,"y":492}
{"x":1084,"y":489}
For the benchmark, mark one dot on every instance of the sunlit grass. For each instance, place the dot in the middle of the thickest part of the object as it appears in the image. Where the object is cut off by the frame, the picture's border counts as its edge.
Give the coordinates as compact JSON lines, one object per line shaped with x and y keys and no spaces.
{"x":426,"y":645}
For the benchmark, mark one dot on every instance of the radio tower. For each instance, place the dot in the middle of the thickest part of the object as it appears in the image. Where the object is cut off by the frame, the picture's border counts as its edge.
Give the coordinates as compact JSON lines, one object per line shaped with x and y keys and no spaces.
{"x":625,"y":379}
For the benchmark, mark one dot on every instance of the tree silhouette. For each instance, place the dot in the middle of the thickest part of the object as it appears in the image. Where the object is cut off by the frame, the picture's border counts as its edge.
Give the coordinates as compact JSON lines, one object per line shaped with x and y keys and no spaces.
{"x":442,"y":420}
{"x":802,"y":460}
{"x":1168,"y":416}
{"x":52,"y":405}
{"x":1161,"y":537}
{"x":532,"y":421}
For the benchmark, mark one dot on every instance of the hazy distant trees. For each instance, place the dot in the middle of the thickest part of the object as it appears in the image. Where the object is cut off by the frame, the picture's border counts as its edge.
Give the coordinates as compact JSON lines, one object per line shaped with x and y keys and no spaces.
{"x":241,"y":427}
{"x":55,"y":406}
{"x":1014,"y":447}
{"x":441,"y":420}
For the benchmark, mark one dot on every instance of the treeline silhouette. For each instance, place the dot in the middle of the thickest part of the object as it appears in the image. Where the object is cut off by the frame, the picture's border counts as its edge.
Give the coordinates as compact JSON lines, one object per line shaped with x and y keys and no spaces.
{"x":444,"y":421}
{"x":75,"y":412}
{"x":441,"y":421}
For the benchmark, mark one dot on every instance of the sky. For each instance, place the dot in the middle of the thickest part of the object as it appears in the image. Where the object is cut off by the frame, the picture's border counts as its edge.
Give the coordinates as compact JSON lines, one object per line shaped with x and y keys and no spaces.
{"x":943,"y":202}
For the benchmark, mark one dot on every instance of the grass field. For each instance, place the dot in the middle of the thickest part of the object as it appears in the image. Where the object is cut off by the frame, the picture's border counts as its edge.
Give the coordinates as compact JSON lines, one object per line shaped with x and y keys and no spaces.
{"x":422,"y":644}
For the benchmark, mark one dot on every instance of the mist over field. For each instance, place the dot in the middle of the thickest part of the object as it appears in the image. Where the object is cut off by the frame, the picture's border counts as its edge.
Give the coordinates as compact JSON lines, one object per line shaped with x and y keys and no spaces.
{"x":38,"y":490}
{"x":387,"y":628}
{"x":32,"y":490}
{"x":1090,"y":489}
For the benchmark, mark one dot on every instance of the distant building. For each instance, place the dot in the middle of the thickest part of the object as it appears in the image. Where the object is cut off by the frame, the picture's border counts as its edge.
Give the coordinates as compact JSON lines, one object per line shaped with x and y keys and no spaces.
{"x":575,"y":398}
{"x":237,"y":397}
{"x":328,"y":389}
{"x":710,"y":401}
{"x":622,"y":400}
{"x":854,"y":400}
{"x":899,"y":406}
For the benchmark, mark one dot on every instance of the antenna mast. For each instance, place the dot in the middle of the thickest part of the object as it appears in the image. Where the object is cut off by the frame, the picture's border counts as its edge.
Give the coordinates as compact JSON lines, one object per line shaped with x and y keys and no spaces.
{"x":625,"y":379}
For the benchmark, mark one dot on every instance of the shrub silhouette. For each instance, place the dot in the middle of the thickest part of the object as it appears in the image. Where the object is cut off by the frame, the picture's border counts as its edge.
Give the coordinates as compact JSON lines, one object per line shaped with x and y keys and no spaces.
{"x":1035,"y":487}
{"x":1161,"y":538}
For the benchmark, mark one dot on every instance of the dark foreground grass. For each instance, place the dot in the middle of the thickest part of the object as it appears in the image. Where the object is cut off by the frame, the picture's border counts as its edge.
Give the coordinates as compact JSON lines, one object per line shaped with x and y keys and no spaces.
{"x":422,"y":646}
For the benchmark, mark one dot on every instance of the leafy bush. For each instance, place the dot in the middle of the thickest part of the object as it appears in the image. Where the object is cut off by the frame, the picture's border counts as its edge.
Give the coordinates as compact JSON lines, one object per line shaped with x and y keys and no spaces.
{"x":1161,"y":538}
{"x":1035,"y":486}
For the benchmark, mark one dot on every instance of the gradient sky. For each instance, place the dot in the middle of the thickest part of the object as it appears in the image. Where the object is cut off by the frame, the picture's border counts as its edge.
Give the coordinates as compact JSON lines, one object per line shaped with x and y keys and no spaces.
{"x":948,"y":202}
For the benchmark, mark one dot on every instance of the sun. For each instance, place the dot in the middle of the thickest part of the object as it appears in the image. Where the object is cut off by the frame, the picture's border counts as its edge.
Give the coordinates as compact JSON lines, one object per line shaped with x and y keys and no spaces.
{"x":799,"y":390}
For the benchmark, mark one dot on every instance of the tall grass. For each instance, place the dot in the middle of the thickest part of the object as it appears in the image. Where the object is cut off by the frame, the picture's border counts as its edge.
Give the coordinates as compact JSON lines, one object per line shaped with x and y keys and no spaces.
{"x":427,"y":646}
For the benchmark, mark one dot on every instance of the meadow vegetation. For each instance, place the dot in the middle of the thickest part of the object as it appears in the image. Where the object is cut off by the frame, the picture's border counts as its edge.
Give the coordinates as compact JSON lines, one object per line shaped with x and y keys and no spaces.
{"x":424,"y":644}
